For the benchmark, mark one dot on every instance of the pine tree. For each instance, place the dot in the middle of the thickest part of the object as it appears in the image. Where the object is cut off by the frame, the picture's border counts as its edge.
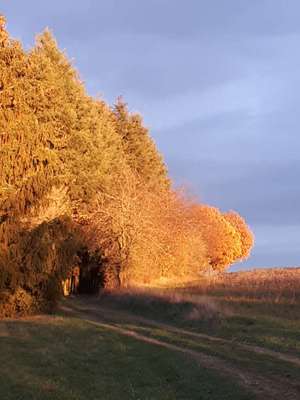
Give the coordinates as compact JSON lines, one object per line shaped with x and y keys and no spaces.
{"x":142,"y":154}
{"x":29,"y":168}
{"x":87,"y":144}
{"x":21,"y":162}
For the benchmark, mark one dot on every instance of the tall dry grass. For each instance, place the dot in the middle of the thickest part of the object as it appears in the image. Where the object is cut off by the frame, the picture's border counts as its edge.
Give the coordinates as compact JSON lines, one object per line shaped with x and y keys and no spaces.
{"x":276,"y":285}
{"x":274,"y":292}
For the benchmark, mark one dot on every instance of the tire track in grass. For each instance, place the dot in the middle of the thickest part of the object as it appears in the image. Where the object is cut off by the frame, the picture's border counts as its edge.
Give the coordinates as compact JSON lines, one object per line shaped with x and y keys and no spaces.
{"x":150,"y":322}
{"x":264,"y":388}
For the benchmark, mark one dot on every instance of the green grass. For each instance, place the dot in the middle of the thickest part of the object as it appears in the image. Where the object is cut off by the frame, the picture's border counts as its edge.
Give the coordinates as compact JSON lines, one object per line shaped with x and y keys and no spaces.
{"x":239,"y":357}
{"x":275,"y":333}
{"x":274,"y":326}
{"x":61,"y":358}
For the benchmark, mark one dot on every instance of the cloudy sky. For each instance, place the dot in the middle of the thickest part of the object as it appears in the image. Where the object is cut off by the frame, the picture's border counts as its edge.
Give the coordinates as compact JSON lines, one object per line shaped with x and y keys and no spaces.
{"x":218,"y":84}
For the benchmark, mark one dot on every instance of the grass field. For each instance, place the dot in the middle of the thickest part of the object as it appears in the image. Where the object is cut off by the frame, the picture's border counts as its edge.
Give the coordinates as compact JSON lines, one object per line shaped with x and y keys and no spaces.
{"x":260,"y":307}
{"x":231,"y":337}
{"x":67,"y":358}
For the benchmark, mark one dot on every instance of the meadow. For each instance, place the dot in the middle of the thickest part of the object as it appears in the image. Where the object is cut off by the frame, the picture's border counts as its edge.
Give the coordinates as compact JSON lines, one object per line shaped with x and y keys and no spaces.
{"x":260,"y":307}
{"x":233,"y":336}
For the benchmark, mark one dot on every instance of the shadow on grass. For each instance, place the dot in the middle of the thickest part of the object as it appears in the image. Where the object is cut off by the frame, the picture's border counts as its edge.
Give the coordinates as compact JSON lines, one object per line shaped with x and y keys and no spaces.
{"x":165,"y":306}
{"x":276,"y":327}
{"x":67,"y":358}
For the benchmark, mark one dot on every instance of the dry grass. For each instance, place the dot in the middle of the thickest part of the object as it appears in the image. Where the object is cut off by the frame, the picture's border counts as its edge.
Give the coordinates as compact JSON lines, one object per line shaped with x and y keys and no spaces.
{"x":164,"y":304}
{"x":274,"y":285}
{"x":273,"y":292}
{"x":277,"y":285}
{"x":259,"y":307}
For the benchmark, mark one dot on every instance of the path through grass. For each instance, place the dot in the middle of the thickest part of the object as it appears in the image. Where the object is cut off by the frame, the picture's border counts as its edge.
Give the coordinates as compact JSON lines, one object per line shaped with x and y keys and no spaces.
{"x":65,"y":358}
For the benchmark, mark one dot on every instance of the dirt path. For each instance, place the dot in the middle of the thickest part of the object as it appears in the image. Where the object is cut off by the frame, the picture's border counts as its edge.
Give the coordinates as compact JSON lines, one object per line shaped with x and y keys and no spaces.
{"x":112,"y":314}
{"x":264,"y":388}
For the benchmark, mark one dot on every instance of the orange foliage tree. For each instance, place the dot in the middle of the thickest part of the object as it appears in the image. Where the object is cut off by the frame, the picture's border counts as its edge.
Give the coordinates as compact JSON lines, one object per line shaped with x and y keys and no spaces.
{"x":174,"y":248}
{"x":222,"y":239}
{"x":145,"y":235}
{"x":246,"y":235}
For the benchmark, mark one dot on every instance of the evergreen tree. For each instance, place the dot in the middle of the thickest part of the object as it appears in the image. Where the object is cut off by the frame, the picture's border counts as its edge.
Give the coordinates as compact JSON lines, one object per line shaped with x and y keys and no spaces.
{"x":88,"y":146}
{"x":141,"y":152}
{"x":25,"y":158}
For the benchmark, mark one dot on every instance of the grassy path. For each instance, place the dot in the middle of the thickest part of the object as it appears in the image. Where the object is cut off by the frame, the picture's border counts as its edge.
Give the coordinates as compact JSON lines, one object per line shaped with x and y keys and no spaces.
{"x":74,"y":357}
{"x":266,"y":373}
{"x":90,"y":351}
{"x":113,"y":315}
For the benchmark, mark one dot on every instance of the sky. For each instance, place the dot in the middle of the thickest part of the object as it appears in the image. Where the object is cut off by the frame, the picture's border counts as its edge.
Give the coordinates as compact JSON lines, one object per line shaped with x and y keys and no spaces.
{"x":217,"y":83}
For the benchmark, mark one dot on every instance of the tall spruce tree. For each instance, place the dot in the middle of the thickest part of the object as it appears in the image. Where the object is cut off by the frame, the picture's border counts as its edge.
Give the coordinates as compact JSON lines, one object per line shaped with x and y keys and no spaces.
{"x":141,"y":152}
{"x":25,"y":157}
{"x":25,"y":167}
{"x":88,"y":145}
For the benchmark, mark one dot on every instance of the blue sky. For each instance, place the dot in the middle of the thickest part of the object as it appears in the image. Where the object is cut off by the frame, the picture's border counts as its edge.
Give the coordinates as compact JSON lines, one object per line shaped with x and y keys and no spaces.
{"x":218,"y":85}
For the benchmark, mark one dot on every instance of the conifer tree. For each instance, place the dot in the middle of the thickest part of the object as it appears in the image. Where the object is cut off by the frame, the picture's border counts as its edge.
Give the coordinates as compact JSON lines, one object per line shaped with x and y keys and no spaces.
{"x":25,"y":168}
{"x":29,"y":167}
{"x":89,"y":148}
{"x":142,"y":155}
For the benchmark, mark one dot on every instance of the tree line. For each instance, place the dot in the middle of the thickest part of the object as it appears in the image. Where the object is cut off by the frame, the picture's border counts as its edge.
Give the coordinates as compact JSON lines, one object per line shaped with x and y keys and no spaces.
{"x":77,"y":173}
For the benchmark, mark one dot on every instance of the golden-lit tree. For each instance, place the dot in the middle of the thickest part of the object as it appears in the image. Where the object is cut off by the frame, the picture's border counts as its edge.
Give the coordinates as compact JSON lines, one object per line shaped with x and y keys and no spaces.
{"x":247,"y":237}
{"x":145,"y":235}
{"x":142,"y":155}
{"x":26,"y":164}
{"x":86,"y":141}
{"x":223,"y":240}
{"x":58,"y":149}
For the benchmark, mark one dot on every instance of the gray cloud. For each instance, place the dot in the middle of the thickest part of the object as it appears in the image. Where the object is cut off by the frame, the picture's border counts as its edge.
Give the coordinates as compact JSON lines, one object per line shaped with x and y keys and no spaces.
{"x":188,"y":18}
{"x":264,"y":193}
{"x":282,"y":242}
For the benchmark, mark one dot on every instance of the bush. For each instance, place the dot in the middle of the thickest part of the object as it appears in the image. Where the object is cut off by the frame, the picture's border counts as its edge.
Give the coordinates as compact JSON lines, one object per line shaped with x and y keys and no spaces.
{"x":18,"y":303}
{"x":42,"y":258}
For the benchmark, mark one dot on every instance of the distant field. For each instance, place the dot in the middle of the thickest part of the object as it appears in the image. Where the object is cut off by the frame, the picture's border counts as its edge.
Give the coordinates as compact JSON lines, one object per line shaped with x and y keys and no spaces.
{"x":275,"y":286}
{"x":235,"y":336}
